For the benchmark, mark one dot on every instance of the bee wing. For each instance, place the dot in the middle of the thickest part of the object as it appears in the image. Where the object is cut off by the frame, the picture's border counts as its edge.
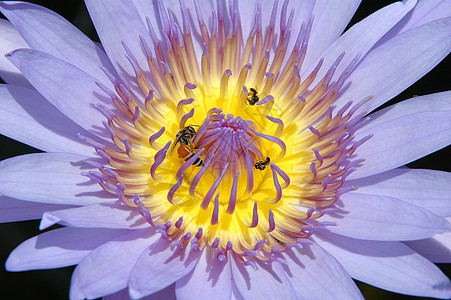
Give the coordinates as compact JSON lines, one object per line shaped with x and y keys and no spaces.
{"x":174,"y":143}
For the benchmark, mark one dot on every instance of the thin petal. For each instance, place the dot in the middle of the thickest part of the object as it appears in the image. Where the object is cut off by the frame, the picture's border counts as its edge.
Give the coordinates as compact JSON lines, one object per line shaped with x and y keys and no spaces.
{"x":209,"y":278}
{"x":313,"y":272}
{"x":48,"y":32}
{"x":12,"y":210}
{"x":331,"y":18}
{"x":388,"y":265}
{"x":393,"y":66}
{"x":159,"y":266}
{"x":117,"y":22}
{"x":10,"y":40}
{"x":107,"y":268}
{"x":58,"y":248}
{"x":436,"y":248}
{"x":428,"y":189}
{"x":49,"y":178}
{"x":381,"y":218}
{"x":403,"y":133}
{"x":302,"y":11}
{"x":103,"y":215}
{"x":46,"y":127}
{"x":360,"y":38}
{"x":68,"y":88}
{"x":268,"y":282}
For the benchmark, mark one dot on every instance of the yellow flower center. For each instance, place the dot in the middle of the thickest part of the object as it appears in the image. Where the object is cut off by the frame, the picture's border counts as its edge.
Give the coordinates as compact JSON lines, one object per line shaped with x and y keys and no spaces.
{"x":236,"y":152}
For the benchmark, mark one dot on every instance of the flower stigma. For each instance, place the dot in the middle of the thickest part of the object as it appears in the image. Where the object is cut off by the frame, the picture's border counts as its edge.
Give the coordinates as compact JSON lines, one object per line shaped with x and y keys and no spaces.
{"x":232,"y":151}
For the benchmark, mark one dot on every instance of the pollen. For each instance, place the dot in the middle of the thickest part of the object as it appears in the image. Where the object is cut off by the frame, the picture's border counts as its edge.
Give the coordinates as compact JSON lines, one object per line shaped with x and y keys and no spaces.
{"x":228,"y":149}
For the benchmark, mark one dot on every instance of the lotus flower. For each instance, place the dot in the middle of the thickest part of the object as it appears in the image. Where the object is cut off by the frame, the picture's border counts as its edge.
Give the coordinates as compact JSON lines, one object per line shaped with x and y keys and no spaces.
{"x":228,"y":148}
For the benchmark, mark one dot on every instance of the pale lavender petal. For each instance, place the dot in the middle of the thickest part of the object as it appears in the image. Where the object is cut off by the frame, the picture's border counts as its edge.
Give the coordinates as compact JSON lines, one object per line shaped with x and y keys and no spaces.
{"x":48,"y":32}
{"x":388,"y":265}
{"x":432,"y":102}
{"x":382,"y":218}
{"x":121,"y":295}
{"x":393,"y":66}
{"x":50,"y":178}
{"x":150,"y":9}
{"x":331,"y":18}
{"x":436,"y":248}
{"x":313,"y":272}
{"x":159,"y":266}
{"x":46,"y":127}
{"x":360,"y":38}
{"x":103,"y":215}
{"x":10,"y":40}
{"x":209,"y":279}
{"x":106,"y":269}
{"x":12,"y":210}
{"x":235,"y":293}
{"x":165,"y":294}
{"x":403,"y":133}
{"x":68,"y":88}
{"x":117,"y":22}
{"x":424,"y":12}
{"x":58,"y":248}
{"x":268,"y":282}
{"x":428,"y":189}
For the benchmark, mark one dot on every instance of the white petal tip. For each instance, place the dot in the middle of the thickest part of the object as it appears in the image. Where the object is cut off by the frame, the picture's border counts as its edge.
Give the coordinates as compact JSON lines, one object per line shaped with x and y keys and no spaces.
{"x":48,"y":220}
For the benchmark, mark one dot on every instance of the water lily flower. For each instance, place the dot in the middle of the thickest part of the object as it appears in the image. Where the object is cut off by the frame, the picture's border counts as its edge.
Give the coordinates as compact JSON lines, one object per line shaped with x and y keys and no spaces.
{"x":227,"y":149}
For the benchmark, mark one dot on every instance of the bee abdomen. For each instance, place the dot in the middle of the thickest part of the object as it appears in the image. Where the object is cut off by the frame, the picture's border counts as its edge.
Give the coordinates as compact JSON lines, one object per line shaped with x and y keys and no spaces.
{"x":198,"y":162}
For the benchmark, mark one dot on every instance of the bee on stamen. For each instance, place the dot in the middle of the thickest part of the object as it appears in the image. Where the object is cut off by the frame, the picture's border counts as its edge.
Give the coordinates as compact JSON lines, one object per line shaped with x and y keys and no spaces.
{"x":252,"y":97}
{"x":186,"y":148}
{"x":261,"y":164}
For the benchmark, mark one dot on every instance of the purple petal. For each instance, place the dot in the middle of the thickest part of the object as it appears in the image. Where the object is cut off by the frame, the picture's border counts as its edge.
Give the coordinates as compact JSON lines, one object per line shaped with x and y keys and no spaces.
{"x":428,"y":189}
{"x":268,"y":282}
{"x":104,"y":215}
{"x":360,"y":38}
{"x":404,"y":132}
{"x":58,"y":248}
{"x":47,"y":128}
{"x":432,"y":102}
{"x":10,"y":40}
{"x":424,"y":12}
{"x":388,"y":265}
{"x":117,"y":23}
{"x":159,"y":267}
{"x":393,"y":66}
{"x":209,"y":278}
{"x":382,"y":218}
{"x":48,"y":32}
{"x":436,"y":248}
{"x":330,"y":21}
{"x":313,"y":272}
{"x":165,"y":294}
{"x":50,"y":178}
{"x":106,"y":269}
{"x":302,"y":13}
{"x":12,"y":210}
{"x":71,"y":90}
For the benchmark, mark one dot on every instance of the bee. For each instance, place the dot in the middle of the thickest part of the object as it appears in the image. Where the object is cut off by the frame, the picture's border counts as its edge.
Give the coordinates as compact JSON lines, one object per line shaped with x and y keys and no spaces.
{"x":252,"y":97}
{"x":186,"y":153}
{"x":261,"y":164}
{"x":186,"y":149}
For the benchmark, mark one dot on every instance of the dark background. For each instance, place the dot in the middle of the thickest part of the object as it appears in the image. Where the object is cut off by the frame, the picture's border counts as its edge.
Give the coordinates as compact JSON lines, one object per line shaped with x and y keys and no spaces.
{"x":54,"y":284}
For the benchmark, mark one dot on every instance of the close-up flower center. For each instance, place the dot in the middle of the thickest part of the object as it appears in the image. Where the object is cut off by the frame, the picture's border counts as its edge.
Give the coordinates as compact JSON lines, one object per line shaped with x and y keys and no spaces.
{"x":236,"y":151}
